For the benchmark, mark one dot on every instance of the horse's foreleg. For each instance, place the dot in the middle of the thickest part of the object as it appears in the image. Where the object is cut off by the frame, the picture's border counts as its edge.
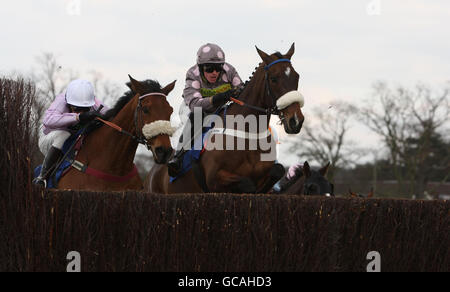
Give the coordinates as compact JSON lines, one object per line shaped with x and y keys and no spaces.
{"x":275,"y":174}
{"x":233,"y":183}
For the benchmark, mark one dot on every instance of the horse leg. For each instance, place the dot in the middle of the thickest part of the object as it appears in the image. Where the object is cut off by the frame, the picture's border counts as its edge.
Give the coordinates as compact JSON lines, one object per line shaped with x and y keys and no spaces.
{"x":275,"y":174}
{"x":157,"y":181}
{"x":244,"y":186}
{"x":234,"y":183}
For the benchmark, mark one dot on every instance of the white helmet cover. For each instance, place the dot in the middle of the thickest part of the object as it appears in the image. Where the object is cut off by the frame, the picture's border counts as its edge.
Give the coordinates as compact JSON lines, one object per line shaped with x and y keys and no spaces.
{"x":80,"y":93}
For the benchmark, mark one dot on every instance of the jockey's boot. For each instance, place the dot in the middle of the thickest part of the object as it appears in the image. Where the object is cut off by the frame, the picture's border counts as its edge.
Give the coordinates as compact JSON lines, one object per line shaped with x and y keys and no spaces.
{"x":52,"y":157}
{"x":176,"y":163}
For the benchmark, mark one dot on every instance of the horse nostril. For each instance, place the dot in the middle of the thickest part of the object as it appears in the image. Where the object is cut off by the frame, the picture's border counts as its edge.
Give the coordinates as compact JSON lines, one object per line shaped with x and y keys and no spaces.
{"x":293,"y":123}
{"x":159,"y":150}
{"x":163,"y":153}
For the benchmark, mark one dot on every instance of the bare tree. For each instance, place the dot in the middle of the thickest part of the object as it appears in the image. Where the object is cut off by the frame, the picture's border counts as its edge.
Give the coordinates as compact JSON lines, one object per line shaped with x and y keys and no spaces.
{"x":408,"y":121}
{"x":106,"y":90}
{"x":324,"y":137}
{"x":50,"y":78}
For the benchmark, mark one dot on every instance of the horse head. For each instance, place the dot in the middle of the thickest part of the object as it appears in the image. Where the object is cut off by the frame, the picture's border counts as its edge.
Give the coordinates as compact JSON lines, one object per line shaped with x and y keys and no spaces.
{"x":281,"y":81}
{"x":315,"y":182}
{"x":152,"y":119}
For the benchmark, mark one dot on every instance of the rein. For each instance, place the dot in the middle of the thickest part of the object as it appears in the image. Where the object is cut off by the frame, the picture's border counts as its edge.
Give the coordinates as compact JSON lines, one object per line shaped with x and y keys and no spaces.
{"x":120,"y":130}
{"x":260,"y":109}
{"x":137,"y":117}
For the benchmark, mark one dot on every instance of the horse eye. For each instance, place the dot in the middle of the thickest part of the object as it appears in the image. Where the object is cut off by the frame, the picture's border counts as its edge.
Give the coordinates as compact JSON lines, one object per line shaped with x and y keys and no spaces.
{"x":146,"y":110}
{"x":274,"y":79}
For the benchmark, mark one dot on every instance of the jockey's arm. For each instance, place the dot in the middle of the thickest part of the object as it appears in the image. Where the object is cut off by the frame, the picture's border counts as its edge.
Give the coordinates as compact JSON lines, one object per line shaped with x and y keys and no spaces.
{"x":193,"y":98}
{"x":57,"y":116}
{"x":99,"y":104}
{"x":235,"y":79}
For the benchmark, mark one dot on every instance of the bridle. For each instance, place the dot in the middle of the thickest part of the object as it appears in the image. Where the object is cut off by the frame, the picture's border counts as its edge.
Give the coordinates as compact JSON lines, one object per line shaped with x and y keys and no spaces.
{"x":140,"y":138}
{"x":138,"y":118}
{"x":273,"y":109}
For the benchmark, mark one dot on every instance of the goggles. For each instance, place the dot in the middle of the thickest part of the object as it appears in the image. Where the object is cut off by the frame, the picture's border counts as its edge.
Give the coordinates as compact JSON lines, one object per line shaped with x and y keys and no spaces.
{"x":78,"y":109}
{"x":210,"y":68}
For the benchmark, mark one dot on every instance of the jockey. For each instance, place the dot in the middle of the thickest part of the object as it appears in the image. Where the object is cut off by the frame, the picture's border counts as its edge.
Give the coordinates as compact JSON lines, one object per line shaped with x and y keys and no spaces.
{"x":209,"y":85}
{"x":77,"y":107}
{"x":288,"y":179}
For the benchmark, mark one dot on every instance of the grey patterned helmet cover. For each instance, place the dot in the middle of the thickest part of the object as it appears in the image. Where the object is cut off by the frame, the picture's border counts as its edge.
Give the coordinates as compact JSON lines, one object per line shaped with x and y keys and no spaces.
{"x":210,"y":53}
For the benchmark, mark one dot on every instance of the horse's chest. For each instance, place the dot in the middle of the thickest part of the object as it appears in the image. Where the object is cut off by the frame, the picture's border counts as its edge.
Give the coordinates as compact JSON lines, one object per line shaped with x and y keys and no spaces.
{"x":256,"y":167}
{"x":246,"y":165}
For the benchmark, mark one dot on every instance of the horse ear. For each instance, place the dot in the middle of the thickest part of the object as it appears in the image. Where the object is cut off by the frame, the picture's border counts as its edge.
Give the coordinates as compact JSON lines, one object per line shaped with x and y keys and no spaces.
{"x":324,"y":170}
{"x":291,"y":52}
{"x":166,"y":90}
{"x":128,"y":84}
{"x":135,"y":85}
{"x":266,"y":58}
{"x":306,"y":169}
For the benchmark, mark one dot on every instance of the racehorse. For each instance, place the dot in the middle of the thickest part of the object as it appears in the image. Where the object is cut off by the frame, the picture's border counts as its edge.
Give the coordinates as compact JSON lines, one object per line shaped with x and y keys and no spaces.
{"x":355,"y":195}
{"x":271,"y":90}
{"x":105,"y":161}
{"x":308,"y":182}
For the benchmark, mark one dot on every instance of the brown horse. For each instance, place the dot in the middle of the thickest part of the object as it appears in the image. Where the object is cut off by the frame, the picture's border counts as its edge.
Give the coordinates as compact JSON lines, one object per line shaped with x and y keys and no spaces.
{"x":144,"y":115}
{"x":271,"y":90}
{"x":355,"y":195}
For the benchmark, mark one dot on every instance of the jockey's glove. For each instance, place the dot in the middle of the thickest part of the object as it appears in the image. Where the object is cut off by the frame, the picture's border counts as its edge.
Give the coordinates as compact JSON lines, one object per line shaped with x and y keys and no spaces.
{"x":222,"y":98}
{"x":87,"y":117}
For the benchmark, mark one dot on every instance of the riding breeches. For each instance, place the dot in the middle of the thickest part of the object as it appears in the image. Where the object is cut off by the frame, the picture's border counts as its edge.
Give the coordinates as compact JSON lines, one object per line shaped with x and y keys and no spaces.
{"x":54,"y":138}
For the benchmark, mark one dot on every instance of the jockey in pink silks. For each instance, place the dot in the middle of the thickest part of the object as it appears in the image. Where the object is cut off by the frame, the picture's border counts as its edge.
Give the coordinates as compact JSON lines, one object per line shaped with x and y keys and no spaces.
{"x":77,"y":106}
{"x":291,"y":174}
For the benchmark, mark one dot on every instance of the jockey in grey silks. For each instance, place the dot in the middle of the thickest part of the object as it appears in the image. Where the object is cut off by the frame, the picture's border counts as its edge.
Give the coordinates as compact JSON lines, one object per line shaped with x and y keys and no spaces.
{"x":209,"y":85}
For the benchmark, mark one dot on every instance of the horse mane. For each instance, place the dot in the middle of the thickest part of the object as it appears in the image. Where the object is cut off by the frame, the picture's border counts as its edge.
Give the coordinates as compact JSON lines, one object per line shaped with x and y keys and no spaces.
{"x":277,"y":54}
{"x":149,"y":86}
{"x":298,"y":174}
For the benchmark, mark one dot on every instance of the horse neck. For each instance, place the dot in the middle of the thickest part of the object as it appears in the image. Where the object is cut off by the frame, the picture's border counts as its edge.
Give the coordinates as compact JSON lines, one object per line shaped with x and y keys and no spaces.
{"x":115,"y":151}
{"x":298,"y":187}
{"x":253,"y":94}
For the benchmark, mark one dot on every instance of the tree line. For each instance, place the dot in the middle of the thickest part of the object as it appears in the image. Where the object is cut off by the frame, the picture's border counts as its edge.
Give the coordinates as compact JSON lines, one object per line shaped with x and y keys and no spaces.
{"x":412,"y":125}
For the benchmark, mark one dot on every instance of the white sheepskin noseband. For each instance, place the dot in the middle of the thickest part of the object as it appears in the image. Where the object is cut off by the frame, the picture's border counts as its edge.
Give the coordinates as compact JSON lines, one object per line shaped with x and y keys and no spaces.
{"x":158,"y":128}
{"x":290,"y":98}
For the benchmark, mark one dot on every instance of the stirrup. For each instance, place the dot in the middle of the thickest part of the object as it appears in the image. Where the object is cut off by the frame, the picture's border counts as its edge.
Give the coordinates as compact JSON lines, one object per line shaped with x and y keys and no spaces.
{"x":39,"y":181}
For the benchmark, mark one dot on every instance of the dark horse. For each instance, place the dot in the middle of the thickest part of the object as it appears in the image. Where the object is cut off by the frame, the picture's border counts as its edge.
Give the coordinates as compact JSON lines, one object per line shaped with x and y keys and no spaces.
{"x":356,"y":195}
{"x":308,"y":182}
{"x":142,"y":115}
{"x":271,"y":90}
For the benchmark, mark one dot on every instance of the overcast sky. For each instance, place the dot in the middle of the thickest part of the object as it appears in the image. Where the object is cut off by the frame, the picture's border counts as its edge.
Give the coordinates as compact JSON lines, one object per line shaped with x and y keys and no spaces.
{"x":342,"y":47}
